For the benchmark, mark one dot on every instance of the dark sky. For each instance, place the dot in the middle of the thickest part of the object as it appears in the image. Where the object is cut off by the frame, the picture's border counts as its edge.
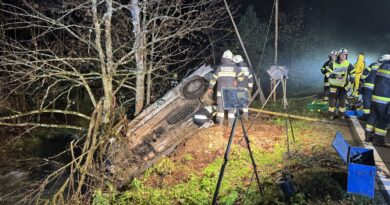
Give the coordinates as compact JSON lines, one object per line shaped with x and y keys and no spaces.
{"x":348,"y":21}
{"x":358,"y":25}
{"x":351,"y":14}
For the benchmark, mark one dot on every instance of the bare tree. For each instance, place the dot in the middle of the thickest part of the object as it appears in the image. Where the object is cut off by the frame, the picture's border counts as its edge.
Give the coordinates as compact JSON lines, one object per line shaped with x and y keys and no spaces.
{"x":171,"y":36}
{"x":103,"y":49}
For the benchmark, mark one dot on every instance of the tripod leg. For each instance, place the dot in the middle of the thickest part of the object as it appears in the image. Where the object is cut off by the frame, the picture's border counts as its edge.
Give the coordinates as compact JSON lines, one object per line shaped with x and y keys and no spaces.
{"x":291,"y":127}
{"x":285,"y":104}
{"x":287,"y":138}
{"x":251,"y":155}
{"x":225,"y":161}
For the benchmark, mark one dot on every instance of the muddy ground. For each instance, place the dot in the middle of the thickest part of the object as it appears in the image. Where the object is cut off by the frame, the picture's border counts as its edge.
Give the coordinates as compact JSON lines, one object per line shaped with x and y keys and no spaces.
{"x":189,"y":175}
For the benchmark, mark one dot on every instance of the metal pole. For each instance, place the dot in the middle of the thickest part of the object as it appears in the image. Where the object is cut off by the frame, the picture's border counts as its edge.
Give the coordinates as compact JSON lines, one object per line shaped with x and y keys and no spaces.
{"x":262,"y":98}
{"x":276,"y":31}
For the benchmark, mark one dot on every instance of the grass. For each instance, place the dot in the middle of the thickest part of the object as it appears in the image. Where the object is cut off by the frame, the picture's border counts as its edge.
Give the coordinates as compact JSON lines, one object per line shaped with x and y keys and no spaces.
{"x":296,"y":106}
{"x":319,"y":176}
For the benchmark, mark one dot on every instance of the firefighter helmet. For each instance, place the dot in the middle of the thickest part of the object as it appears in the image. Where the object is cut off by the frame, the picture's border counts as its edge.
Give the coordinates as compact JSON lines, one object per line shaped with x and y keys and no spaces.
{"x":343,"y":51}
{"x":237,"y":59}
{"x":333,"y":53}
{"x":228,"y":54}
{"x":385,"y":57}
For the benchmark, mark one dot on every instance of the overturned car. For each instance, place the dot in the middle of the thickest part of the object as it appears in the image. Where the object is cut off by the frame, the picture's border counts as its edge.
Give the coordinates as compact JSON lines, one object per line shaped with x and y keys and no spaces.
{"x":158,"y":129}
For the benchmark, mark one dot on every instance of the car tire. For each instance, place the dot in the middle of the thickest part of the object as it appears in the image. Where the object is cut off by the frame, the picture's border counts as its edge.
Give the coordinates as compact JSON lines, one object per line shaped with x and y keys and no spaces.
{"x":194,"y":88}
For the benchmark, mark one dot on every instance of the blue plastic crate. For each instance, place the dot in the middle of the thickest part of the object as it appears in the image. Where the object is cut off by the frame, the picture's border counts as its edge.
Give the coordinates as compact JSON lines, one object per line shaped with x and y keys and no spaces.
{"x":361,"y":166}
{"x":357,"y":113}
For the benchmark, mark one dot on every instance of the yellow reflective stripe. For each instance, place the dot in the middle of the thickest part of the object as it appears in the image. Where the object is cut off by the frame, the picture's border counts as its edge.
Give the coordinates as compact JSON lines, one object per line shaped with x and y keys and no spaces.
{"x":250,"y":76}
{"x":231,"y":115}
{"x":342,"y":109}
{"x":215,"y":76}
{"x":366,"y":111}
{"x":220,"y":114}
{"x":212,"y":82}
{"x":379,"y":99}
{"x":333,"y":90}
{"x":219,"y":94}
{"x":332,"y":109}
{"x":326,"y":84}
{"x":387,"y":72}
{"x":227,"y":74}
{"x":369,"y":85}
{"x":369,"y":128}
{"x":380,"y":132}
{"x":250,"y":85}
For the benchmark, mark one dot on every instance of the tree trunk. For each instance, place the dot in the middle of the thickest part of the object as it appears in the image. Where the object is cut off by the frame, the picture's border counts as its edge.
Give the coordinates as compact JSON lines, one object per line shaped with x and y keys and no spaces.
{"x":138,"y":46}
{"x":108,"y":98}
{"x":149,"y":87}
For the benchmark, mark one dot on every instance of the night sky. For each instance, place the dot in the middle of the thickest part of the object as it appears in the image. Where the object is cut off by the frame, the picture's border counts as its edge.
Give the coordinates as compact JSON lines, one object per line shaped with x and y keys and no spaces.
{"x":357,"y":24}
{"x":360,"y":26}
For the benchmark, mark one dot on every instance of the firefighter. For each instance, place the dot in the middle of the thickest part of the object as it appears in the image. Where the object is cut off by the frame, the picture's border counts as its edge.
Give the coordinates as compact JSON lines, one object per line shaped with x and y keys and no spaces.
{"x":357,"y":72}
{"x":204,"y":115}
{"x":367,"y":80}
{"x":245,"y":79}
{"x":325,"y":68}
{"x":226,"y":75}
{"x":340,"y":79}
{"x":380,"y":105}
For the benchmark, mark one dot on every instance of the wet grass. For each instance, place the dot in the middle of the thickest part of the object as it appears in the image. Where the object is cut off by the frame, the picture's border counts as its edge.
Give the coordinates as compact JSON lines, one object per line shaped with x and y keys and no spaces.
{"x":296,"y":106}
{"x":318,"y":176}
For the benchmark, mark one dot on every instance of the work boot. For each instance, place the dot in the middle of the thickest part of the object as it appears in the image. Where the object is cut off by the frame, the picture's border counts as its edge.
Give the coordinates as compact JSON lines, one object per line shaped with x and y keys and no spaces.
{"x":332,"y":116}
{"x":219,"y":121}
{"x":378,"y":141}
{"x":368,"y":137}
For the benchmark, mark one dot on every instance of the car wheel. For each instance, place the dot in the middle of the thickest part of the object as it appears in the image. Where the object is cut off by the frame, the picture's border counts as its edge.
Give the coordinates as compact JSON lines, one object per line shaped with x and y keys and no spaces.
{"x":195,"y":88}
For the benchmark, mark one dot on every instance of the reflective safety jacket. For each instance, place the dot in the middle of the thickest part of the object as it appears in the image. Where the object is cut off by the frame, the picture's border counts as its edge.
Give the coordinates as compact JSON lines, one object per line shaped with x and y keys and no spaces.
{"x":326,"y":68}
{"x":381,"y":93}
{"x":340,"y":73}
{"x":368,"y":76}
{"x":245,"y":77}
{"x":225,"y":74}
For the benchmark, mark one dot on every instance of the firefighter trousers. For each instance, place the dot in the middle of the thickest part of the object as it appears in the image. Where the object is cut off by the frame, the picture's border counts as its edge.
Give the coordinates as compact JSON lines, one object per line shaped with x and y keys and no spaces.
{"x":337,"y":96}
{"x":221,"y":113}
{"x":366,"y":95}
{"x":379,"y":119}
{"x":326,"y":93}
{"x":326,"y":88}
